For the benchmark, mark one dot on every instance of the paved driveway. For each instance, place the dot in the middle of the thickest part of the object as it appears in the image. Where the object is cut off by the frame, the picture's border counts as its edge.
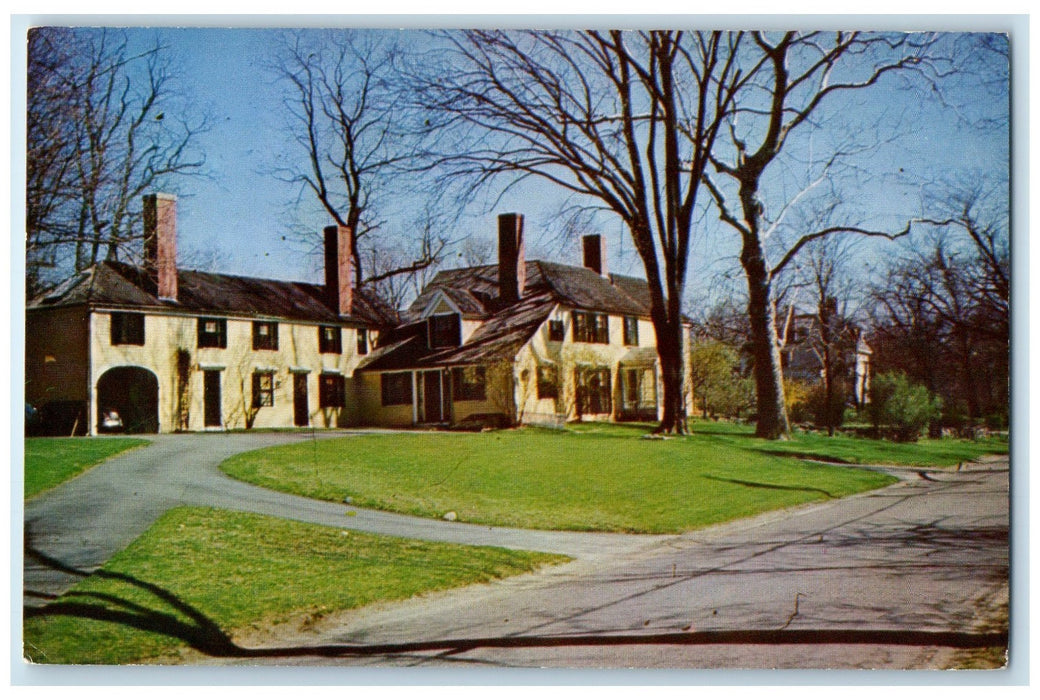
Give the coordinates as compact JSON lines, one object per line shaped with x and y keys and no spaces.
{"x":902,"y":578}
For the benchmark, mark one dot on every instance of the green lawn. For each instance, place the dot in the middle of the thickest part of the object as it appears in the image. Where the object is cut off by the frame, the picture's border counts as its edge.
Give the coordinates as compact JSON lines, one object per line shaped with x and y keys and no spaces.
{"x":200,"y":575}
{"x":595,"y":477}
{"x":852,"y":450}
{"x":52,"y":461}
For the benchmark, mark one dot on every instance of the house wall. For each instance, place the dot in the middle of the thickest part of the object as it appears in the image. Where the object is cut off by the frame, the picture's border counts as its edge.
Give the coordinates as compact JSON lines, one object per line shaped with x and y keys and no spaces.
{"x":566,"y":356}
{"x":369,"y":400}
{"x":56,"y":355}
{"x":168,"y":335}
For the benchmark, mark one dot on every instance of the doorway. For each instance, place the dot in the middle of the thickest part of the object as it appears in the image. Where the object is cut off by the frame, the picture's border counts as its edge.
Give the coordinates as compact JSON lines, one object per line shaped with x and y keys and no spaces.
{"x":301,"y":413}
{"x":433,"y":398}
{"x":211,"y":398}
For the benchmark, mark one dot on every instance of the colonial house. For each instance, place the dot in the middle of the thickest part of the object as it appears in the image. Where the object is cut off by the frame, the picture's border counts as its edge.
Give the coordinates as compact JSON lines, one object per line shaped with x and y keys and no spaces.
{"x":529,"y":341}
{"x":167,"y":349}
{"x":171,"y":349}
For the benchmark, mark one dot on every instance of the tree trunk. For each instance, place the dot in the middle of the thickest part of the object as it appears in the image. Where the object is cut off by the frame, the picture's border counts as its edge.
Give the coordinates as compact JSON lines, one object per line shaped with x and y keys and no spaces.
{"x":670,"y":354}
{"x":769,"y":385}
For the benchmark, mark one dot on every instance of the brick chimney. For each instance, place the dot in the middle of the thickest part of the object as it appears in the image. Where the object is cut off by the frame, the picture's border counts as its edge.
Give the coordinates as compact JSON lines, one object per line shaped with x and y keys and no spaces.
{"x":339,"y":268}
{"x":512,"y":266}
{"x":160,"y":243}
{"x":594,"y":254}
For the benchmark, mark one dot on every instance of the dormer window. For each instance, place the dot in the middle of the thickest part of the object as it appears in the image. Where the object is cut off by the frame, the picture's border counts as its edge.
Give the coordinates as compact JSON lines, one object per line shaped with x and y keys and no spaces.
{"x":444,"y":330}
{"x":556,"y":331}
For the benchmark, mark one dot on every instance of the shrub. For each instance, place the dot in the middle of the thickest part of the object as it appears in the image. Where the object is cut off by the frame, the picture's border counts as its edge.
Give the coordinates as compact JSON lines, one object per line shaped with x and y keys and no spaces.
{"x":904,"y":407}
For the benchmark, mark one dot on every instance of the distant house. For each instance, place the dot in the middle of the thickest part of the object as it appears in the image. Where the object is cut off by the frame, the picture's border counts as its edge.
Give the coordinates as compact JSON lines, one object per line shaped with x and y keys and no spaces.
{"x":802,"y":355}
{"x":168,"y":349}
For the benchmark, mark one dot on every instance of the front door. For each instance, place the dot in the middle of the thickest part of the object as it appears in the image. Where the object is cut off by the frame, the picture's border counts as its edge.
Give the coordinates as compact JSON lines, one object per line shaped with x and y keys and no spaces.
{"x":211,"y":398}
{"x":432,"y":397}
{"x":301,"y":414}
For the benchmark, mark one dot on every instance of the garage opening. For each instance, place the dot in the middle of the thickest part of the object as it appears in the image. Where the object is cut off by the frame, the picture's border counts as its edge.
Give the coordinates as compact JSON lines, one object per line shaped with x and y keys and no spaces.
{"x":132,"y":394}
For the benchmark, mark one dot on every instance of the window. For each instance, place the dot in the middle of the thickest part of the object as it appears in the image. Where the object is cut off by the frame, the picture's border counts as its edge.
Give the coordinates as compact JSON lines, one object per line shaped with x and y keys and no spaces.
{"x":330,"y":340}
{"x":631,"y":330}
{"x":468,"y":383}
{"x":263,"y":389}
{"x":127,"y":329}
{"x":590,"y":327}
{"x":332,"y":391}
{"x":445,"y":330}
{"x":212,"y":333}
{"x":592,"y":390}
{"x":265,"y":335}
{"x":362,"y":341}
{"x":556,"y":331}
{"x":396,"y":388}
{"x":548,"y":382}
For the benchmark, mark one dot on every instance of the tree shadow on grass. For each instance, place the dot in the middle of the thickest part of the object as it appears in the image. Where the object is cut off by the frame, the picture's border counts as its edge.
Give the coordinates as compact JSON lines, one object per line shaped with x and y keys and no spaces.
{"x":775,"y":487}
{"x":202,"y":634}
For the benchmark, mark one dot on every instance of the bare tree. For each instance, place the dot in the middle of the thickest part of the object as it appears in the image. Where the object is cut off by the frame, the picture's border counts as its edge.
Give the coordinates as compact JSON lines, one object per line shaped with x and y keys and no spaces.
{"x":834,"y":336}
{"x":942,"y":315}
{"x":623,"y":119}
{"x":346,"y":116}
{"x":107,"y":123}
{"x":796,"y":74}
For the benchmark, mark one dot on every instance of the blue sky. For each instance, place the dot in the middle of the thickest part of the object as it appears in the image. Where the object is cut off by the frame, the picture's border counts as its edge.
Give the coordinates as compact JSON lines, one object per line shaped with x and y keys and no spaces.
{"x":237,"y":220}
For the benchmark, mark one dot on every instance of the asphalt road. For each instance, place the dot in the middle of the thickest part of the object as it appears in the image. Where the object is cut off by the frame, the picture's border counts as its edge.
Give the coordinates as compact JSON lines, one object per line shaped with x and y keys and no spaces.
{"x":894,"y":579}
{"x":898,"y":578}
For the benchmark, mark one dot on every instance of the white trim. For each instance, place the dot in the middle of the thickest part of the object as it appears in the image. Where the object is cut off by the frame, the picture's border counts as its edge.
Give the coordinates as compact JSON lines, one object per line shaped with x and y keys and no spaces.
{"x":175,"y":313}
{"x":440,"y":295}
{"x":415,"y":398}
{"x":301,"y":370}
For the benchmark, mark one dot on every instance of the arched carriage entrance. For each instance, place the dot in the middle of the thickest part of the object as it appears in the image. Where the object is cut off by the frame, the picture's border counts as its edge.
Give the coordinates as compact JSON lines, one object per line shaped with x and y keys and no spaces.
{"x":133,"y":392}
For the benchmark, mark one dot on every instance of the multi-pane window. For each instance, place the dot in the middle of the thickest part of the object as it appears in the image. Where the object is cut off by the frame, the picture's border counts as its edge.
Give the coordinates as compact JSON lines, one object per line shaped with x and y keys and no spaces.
{"x":590,"y":327}
{"x":445,"y":330}
{"x":330,"y":340}
{"x":396,"y":388}
{"x":468,"y":383}
{"x":265,"y":335}
{"x":592,"y":390}
{"x":263,"y":389}
{"x":556,"y":331}
{"x":332,"y":391}
{"x":212,"y":333}
{"x":548,"y":382}
{"x":631,"y":330}
{"x":127,"y":329}
{"x":362,"y":341}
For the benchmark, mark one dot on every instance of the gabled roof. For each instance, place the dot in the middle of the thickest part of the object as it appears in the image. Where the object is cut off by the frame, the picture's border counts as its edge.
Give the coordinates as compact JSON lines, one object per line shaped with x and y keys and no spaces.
{"x":474,"y":290}
{"x":505,"y":329}
{"x":119,"y":285}
{"x":500,"y":337}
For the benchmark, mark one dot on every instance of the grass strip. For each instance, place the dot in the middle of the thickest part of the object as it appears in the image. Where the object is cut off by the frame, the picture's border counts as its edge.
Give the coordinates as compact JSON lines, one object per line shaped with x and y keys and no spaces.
{"x":53,"y":461}
{"x":199,"y":576}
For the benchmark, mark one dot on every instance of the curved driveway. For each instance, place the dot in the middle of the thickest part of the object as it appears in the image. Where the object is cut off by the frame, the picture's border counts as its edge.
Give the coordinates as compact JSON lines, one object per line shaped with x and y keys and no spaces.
{"x":79,"y":525}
